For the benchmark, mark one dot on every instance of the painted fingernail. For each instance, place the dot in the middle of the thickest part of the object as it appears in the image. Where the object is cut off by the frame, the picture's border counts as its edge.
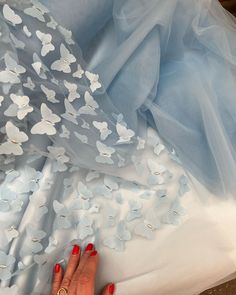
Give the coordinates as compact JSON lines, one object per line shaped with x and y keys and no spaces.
{"x":89,"y":247}
{"x":94,"y":253}
{"x":75,"y":250}
{"x":111,"y":289}
{"x":57,"y":268}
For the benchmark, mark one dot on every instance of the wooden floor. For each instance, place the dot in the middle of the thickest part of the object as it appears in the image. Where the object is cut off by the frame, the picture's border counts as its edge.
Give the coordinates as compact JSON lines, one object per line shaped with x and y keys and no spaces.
{"x":228,"y":288}
{"x":231,"y":6}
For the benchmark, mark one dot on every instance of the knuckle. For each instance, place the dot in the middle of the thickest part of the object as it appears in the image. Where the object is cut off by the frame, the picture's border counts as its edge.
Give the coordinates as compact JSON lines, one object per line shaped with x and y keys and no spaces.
{"x":66,"y":281}
{"x":85,"y":277}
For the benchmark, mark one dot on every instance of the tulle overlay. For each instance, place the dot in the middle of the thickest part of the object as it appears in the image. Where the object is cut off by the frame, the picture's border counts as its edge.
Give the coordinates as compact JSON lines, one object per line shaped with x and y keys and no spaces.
{"x":103,"y":121}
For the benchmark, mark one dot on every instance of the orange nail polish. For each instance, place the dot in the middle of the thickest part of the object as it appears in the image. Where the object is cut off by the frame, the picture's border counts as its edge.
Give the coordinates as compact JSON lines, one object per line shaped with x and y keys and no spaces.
{"x":89,"y":247}
{"x":94,"y":253}
{"x":75,"y":250}
{"x":111,"y":289}
{"x":57,"y":268}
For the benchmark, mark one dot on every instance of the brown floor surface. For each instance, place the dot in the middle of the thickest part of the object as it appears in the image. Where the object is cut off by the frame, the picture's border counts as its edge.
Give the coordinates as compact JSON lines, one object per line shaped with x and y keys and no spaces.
{"x":228,"y":288}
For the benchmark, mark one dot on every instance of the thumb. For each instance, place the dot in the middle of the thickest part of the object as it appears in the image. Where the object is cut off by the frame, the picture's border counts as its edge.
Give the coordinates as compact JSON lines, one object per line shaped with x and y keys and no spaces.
{"x":109,"y":289}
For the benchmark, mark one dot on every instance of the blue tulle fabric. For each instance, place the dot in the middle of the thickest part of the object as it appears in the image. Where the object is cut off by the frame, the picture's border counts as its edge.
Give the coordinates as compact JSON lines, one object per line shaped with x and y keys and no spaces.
{"x":171,"y":64}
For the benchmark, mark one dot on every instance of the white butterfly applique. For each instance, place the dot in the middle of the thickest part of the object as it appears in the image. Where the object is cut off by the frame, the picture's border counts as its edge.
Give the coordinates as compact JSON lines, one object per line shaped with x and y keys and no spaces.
{"x":14,"y":141}
{"x":17,"y":43}
{"x":65,"y":133}
{"x":29,"y":84}
{"x":66,"y":59}
{"x":90,"y":105}
{"x":83,"y":138}
{"x":52,"y":245}
{"x":141,"y":143}
{"x":67,"y":35}
{"x":92,"y":175}
{"x":103,"y":129}
{"x":46,"y":125}
{"x":70,"y":112}
{"x":85,"y":125}
{"x":20,"y":106}
{"x":47,"y":45}
{"x":147,"y":227}
{"x":105,"y":153}
{"x":156,"y":172}
{"x":62,"y":219}
{"x":135,"y":211}
{"x":50,"y":94}
{"x":52,"y":24}
{"x":58,"y":154}
{"x":72,"y":89}
{"x":12,"y":71}
{"x":27,"y":31}
{"x":117,"y":241}
{"x":11,"y":233}
{"x":124,"y":133}
{"x":85,"y":227}
{"x":39,"y":67}
{"x":34,"y":239}
{"x":37,"y":10}
{"x":93,"y":79}
{"x":79,"y":73}
{"x":10,"y":15}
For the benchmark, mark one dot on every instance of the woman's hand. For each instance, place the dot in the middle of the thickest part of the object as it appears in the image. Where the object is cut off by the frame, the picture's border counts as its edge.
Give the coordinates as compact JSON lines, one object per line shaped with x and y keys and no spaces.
{"x":79,"y":276}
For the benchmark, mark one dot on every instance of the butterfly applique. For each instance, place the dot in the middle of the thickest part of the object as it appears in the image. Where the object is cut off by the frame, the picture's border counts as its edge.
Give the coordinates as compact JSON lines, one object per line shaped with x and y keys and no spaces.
{"x":124,"y":133}
{"x":10,"y":15}
{"x":58,"y":153}
{"x":65,"y":61}
{"x":117,"y":241}
{"x":65,"y":133}
{"x":46,"y":40}
{"x":103,"y":129}
{"x":70,"y":112}
{"x":90,"y":105}
{"x":93,"y":79}
{"x":147,"y":227}
{"x":47,"y":123}
{"x":72,"y":89}
{"x":83,"y":138}
{"x":20,"y":106}
{"x":85,"y":227}
{"x":37,"y":10}
{"x":50,"y":94}
{"x":15,"y":138}
{"x":105,"y":153}
{"x":79,"y":73}
{"x":12,"y":72}
{"x":62,"y":219}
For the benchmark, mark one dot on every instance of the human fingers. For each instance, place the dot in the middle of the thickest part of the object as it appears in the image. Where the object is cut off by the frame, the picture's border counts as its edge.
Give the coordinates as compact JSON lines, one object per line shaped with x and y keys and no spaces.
{"x":71,"y":267}
{"x":109,"y":289}
{"x":89,"y":248}
{"x":84,"y":280}
{"x":57,"y":278}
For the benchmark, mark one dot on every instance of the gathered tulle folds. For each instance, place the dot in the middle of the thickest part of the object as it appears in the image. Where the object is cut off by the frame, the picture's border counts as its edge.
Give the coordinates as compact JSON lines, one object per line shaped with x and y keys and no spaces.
{"x":174,"y":66}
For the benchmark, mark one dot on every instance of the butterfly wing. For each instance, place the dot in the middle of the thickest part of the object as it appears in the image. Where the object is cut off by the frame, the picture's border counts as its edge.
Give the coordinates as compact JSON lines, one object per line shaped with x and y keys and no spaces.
{"x":8,"y":148}
{"x":70,"y":114}
{"x":14,"y":134}
{"x":10,"y":15}
{"x":48,"y":115}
